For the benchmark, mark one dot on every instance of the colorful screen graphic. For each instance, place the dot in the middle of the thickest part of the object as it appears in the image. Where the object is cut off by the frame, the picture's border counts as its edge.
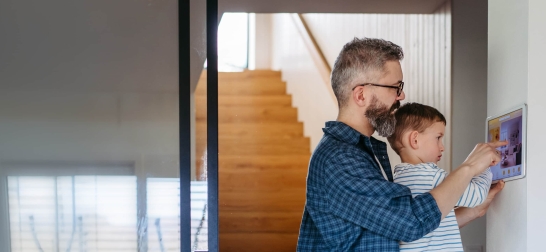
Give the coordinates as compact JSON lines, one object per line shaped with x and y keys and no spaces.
{"x":507,"y":127}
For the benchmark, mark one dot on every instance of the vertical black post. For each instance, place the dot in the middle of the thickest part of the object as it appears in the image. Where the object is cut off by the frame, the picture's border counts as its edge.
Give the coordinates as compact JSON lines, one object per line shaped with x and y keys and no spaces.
{"x":184,"y":103}
{"x":212,"y":123}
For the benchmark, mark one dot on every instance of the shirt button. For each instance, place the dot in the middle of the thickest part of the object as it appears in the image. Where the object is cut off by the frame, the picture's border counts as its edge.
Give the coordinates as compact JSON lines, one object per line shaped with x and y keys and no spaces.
{"x":383,"y":157}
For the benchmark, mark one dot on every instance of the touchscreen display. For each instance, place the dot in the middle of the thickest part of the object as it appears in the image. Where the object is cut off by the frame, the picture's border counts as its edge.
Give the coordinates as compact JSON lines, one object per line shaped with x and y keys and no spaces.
{"x":507,"y":127}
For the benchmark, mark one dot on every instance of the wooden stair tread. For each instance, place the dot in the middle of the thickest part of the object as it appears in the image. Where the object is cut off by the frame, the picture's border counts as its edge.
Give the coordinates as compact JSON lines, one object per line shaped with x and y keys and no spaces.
{"x":245,"y":128}
{"x":263,"y":242}
{"x":244,"y":74}
{"x":253,"y":129}
{"x":245,"y":146}
{"x":263,"y":163}
{"x":247,"y":100}
{"x":256,"y":87}
{"x":272,"y":183}
{"x":268,"y":201}
{"x":251,"y":114}
{"x":258,"y":221}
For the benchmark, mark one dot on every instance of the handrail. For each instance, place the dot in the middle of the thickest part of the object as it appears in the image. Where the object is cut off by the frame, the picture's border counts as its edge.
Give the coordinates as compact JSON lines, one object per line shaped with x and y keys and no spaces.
{"x":315,"y":51}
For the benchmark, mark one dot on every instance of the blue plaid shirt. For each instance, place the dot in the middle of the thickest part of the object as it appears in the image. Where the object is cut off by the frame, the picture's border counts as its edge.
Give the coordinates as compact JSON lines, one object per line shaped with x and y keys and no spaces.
{"x":350,"y":206}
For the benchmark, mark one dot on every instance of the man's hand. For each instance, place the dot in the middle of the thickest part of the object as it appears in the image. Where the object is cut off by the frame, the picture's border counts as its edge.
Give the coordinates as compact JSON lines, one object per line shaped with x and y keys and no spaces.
{"x":466,"y":215}
{"x":483,"y":156}
{"x":496,"y":188}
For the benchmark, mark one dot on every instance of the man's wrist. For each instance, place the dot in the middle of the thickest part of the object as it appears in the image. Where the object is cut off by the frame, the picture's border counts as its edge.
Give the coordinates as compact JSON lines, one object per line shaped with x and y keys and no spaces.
{"x":466,"y":170}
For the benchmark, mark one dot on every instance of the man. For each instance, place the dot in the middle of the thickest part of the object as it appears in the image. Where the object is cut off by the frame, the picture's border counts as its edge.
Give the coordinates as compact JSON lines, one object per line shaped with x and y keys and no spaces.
{"x":352,"y":203}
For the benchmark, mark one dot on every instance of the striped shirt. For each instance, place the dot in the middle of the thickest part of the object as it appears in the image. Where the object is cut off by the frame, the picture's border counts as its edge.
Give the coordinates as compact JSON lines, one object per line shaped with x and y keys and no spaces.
{"x":422,"y":178}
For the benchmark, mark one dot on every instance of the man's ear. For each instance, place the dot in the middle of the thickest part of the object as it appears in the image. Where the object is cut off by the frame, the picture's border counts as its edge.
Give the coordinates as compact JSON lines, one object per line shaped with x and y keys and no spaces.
{"x":414,"y":139}
{"x":358,"y":96}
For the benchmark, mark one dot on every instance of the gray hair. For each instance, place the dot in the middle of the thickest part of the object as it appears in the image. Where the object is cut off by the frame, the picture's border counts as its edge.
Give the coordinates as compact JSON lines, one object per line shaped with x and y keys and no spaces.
{"x":361,"y":58}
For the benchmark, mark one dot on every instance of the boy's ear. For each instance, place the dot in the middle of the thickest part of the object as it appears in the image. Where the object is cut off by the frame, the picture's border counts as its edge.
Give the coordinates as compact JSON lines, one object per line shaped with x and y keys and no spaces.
{"x":413,"y":139}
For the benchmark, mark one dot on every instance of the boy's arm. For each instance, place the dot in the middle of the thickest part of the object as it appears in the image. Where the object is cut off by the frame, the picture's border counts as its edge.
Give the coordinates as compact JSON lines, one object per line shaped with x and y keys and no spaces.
{"x":476,"y":192}
{"x":465,"y":215}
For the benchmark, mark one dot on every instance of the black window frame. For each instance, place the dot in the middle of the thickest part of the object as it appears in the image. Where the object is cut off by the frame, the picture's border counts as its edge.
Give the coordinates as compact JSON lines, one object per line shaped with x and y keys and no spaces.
{"x":184,"y":24}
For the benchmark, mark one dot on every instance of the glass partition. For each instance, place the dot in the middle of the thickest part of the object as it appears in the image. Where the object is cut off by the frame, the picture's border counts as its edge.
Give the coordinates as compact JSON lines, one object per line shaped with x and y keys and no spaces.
{"x":89,"y":126}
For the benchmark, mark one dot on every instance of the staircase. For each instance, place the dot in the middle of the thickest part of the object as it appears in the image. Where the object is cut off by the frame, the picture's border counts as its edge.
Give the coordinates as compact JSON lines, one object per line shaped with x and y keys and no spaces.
{"x":263,"y":159}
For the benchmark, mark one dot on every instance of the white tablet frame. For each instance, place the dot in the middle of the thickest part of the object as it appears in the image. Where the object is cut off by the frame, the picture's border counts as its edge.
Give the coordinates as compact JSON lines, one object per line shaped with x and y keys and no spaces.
{"x":523,"y":107}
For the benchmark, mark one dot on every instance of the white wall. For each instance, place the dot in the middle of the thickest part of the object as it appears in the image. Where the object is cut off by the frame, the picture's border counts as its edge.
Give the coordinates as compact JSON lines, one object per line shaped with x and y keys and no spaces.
{"x":260,"y":41}
{"x":508,"y":84}
{"x":304,"y":82}
{"x":536,"y":205}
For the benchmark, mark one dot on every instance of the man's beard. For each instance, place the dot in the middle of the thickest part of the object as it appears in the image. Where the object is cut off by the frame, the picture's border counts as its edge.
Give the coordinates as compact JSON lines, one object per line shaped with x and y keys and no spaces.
{"x":381,"y":117}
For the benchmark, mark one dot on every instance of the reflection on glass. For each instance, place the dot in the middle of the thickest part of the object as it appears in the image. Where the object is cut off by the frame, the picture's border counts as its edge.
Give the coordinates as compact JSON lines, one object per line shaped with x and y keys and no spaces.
{"x":99,"y":213}
{"x":76,"y":213}
{"x":163,"y":203}
{"x":199,"y":223}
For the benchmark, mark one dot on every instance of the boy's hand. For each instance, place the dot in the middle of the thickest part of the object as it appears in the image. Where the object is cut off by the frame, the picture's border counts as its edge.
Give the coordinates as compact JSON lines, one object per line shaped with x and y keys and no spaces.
{"x":483,"y":156}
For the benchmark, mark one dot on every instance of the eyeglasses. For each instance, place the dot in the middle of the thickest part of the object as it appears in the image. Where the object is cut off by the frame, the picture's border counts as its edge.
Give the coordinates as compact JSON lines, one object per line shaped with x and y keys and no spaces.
{"x":399,"y":87}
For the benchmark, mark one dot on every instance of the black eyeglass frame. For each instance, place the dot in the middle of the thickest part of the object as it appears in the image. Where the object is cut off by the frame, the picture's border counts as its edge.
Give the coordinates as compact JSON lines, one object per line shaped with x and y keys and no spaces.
{"x":398,"y":87}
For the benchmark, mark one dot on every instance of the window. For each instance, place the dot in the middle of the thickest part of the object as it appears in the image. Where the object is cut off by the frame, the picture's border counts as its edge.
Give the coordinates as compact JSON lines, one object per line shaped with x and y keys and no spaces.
{"x":233,"y":42}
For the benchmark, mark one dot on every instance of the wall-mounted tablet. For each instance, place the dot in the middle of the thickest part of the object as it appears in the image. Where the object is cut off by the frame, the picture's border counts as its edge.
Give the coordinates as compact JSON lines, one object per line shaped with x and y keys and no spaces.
{"x":512,"y":127}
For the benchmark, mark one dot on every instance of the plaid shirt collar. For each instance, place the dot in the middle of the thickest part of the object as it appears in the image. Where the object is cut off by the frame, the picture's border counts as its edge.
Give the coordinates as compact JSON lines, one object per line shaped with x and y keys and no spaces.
{"x":347,"y":134}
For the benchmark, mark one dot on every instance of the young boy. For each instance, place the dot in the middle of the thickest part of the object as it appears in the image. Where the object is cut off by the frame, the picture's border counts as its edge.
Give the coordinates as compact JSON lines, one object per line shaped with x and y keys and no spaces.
{"x":418,"y":141}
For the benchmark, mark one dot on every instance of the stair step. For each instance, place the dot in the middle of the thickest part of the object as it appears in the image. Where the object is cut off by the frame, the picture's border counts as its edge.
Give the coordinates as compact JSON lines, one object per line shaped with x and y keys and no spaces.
{"x":280,"y":130}
{"x":255,"y":86}
{"x":264,"y":163}
{"x":263,"y":114}
{"x":235,"y":164}
{"x":259,"y":146}
{"x":260,"y":221}
{"x":285,"y":200}
{"x":247,"y":100}
{"x":263,"y":242}
{"x":244,"y":74}
{"x":260,"y":180}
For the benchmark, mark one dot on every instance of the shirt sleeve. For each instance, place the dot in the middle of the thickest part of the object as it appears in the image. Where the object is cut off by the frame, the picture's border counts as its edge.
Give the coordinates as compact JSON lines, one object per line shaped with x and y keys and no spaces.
{"x":357,"y":192}
{"x":475,"y":193}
